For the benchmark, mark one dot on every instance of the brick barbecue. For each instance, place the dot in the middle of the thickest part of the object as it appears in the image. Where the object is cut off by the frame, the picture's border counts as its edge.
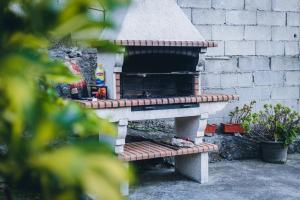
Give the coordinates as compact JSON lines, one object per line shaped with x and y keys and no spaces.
{"x":157,"y":76}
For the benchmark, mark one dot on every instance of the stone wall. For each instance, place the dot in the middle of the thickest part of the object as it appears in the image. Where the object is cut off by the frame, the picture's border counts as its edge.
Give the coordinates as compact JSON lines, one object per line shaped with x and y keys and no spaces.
{"x":258,"y":52}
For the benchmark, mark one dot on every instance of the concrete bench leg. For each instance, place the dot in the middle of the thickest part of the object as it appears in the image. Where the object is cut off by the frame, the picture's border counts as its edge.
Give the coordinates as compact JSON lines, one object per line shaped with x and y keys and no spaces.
{"x":191,"y":127}
{"x":118,"y":141}
{"x":193,"y":166}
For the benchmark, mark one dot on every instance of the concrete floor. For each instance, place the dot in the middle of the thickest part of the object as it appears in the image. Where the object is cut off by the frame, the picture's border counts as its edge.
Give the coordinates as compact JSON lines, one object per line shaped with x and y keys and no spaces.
{"x":229,"y":180}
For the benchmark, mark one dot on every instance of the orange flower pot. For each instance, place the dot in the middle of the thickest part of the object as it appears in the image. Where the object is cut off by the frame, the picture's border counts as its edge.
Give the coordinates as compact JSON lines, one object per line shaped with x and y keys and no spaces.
{"x":210,"y":129}
{"x":233,"y":128}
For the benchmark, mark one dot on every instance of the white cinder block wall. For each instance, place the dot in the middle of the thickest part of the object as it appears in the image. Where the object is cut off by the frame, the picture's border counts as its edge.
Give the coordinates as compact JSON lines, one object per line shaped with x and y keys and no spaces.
{"x":258,"y":52}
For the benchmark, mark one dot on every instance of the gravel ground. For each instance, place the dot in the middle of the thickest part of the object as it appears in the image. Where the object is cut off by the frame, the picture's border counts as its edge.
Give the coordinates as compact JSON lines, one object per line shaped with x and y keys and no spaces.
{"x":229,"y":180}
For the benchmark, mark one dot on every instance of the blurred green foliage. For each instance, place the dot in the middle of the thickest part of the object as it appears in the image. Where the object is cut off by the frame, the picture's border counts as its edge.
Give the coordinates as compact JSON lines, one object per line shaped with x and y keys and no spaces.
{"x":43,"y":137}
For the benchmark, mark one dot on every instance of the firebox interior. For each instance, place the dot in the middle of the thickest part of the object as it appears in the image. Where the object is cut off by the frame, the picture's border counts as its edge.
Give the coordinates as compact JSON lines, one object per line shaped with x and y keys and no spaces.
{"x":153,"y":72}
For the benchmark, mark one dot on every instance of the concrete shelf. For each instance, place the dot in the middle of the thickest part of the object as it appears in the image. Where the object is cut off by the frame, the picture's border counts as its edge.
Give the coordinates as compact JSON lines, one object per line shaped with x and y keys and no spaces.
{"x":149,"y":150}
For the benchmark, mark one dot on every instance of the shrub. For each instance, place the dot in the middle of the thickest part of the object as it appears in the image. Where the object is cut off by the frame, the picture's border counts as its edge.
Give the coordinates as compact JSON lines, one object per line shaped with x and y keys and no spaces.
{"x":273,"y":123}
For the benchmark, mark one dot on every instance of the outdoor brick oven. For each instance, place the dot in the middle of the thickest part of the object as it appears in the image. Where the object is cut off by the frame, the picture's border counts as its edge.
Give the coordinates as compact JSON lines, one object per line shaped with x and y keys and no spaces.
{"x":157,"y":76}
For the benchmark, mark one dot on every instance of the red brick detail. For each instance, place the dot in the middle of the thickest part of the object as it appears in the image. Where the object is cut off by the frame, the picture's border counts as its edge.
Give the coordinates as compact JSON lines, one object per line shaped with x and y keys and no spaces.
{"x":177,"y":100}
{"x":147,"y":102}
{"x":108,"y":104}
{"x":165,"y":101}
{"x":159,"y":101}
{"x":134,"y":103}
{"x":141,"y":102}
{"x":187,"y":99}
{"x":182,"y":100}
{"x":153,"y":101}
{"x":101,"y":104}
{"x":94,"y":104}
{"x":115,"y":104}
{"x":166,"y":43}
{"x":128,"y":103}
{"x":121,"y":103}
{"x":171,"y":101}
{"x":193,"y":99}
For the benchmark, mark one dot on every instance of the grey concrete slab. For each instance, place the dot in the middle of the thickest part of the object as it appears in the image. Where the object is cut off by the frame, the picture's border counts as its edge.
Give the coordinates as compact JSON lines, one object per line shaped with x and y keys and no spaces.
{"x":229,"y":180}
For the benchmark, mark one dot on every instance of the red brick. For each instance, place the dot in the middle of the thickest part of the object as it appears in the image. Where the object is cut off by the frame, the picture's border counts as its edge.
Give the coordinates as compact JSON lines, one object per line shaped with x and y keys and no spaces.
{"x":121,"y":103}
{"x":94,"y":104}
{"x":101,"y":104}
{"x":117,"y":75}
{"x":153,"y":101}
{"x":88,"y":104}
{"x":128,"y":103}
{"x":141,"y":102}
{"x":199,"y":99}
{"x":171,"y":100}
{"x":108,"y":104}
{"x":134,"y":102}
{"x":159,"y":101}
{"x":147,"y":102}
{"x":188,"y":99}
{"x":115,"y":104}
{"x":118,"y":90}
{"x":177,"y":100}
{"x":182,"y":100}
{"x":165,"y":101}
{"x":193,"y":99}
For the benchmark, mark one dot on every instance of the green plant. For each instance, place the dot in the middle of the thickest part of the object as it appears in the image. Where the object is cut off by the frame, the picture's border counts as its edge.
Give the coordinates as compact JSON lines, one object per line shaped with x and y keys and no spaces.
{"x":44,"y":139}
{"x":274,"y":123}
{"x":238,"y":115}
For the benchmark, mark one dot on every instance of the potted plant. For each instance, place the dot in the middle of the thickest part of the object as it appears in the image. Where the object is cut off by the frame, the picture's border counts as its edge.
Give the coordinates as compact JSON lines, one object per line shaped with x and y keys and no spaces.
{"x":210,"y":129}
{"x":236,"y":118}
{"x":275,"y":127}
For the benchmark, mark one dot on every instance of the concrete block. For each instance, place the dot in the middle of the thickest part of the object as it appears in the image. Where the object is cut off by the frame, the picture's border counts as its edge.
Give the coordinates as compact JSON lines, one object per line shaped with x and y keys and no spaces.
{"x":205,"y":31}
{"x":271,"y":18}
{"x":285,"y":93}
{"x":293,"y":19}
{"x":264,"y":78}
{"x":240,"y":48}
{"x":223,"y":32}
{"x":258,"y":93}
{"x":258,"y":33}
{"x":230,"y":65}
{"x":258,"y":4}
{"x":245,"y":79}
{"x":221,"y":91}
{"x":217,"y":51}
{"x":210,"y":80}
{"x":188,"y":127}
{"x":285,"y":33}
{"x":285,"y":5}
{"x":228,"y":4}
{"x":205,"y":16}
{"x":193,"y":166}
{"x":194,"y":3}
{"x":229,"y":80}
{"x":291,"y":48}
{"x":238,"y":17}
{"x":254,"y":63}
{"x":202,"y":126}
{"x":269,"y":48}
{"x":198,"y":140}
{"x":292,"y":78}
{"x":285,"y":63}
{"x":187,"y":12}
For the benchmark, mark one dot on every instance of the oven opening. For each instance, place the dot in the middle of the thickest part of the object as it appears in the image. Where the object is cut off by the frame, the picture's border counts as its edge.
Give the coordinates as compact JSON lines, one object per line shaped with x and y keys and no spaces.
{"x":156,"y":72}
